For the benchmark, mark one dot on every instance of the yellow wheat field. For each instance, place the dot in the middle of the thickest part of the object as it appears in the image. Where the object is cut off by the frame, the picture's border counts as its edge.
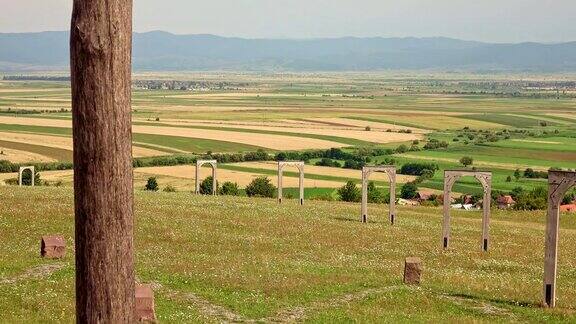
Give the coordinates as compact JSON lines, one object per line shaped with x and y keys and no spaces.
{"x":62,"y":142}
{"x":276,"y":142}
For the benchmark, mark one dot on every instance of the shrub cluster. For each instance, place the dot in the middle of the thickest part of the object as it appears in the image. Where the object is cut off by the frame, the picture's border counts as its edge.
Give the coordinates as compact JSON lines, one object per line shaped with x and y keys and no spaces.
{"x":419,"y":168}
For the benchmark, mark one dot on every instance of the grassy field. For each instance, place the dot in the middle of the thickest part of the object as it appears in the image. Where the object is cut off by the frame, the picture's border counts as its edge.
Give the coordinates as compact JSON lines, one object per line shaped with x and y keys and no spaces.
{"x":213,"y":259}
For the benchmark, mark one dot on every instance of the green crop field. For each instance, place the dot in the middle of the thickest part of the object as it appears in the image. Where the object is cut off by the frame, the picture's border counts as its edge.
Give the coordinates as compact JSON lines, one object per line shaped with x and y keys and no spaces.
{"x":220,"y":259}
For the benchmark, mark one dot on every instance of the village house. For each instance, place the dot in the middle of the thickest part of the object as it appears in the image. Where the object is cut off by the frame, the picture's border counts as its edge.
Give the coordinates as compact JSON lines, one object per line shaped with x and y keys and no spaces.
{"x":570,"y":208}
{"x":505,"y":202}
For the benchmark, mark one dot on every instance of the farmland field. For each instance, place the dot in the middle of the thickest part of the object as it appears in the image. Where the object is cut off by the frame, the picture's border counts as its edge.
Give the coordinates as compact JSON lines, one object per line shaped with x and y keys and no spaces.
{"x":314,"y":263}
{"x":503,"y":122}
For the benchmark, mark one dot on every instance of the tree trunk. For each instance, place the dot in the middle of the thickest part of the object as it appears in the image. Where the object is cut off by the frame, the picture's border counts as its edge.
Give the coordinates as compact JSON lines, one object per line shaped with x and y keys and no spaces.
{"x":100,"y":63}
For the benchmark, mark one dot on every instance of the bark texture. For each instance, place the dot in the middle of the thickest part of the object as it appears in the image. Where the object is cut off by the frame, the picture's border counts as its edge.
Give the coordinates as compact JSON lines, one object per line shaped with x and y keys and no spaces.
{"x":100,"y":63}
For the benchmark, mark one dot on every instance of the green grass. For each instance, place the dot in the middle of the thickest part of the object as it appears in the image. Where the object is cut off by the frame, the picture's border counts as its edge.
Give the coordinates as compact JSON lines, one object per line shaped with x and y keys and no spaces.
{"x":510,"y":120}
{"x":260,"y":260}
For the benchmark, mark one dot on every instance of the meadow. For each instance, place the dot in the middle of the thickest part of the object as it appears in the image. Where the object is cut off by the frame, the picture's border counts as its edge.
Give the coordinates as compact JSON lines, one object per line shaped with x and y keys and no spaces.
{"x":240,"y":259}
{"x":214,"y":259}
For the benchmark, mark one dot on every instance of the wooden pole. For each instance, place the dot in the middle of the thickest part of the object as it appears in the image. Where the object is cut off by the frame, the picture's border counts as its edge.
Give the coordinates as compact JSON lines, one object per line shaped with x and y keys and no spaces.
{"x":280,"y":175}
{"x":301,"y":184}
{"x":364,"y":207}
{"x":392,"y":204}
{"x":100,"y":63}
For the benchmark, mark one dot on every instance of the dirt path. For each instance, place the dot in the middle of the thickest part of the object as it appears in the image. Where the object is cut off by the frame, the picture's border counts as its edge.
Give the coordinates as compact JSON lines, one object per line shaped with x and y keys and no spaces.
{"x":38,"y":272}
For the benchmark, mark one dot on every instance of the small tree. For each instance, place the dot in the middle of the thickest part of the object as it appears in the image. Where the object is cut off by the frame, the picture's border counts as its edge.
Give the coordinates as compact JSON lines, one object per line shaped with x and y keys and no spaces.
{"x":367,"y":128}
{"x":466,"y":161}
{"x":509,"y":179}
{"x":169,"y":188}
{"x":27,"y":178}
{"x":349,"y":192}
{"x":151,"y":184}
{"x":409,"y":190}
{"x":206,"y":186}
{"x":376,"y":196}
{"x":229,"y":189}
{"x":517,"y":174}
{"x":261,"y":187}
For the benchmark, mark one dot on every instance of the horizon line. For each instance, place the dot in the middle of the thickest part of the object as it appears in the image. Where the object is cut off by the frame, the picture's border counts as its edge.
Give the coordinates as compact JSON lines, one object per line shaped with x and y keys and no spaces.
{"x":312,"y":38}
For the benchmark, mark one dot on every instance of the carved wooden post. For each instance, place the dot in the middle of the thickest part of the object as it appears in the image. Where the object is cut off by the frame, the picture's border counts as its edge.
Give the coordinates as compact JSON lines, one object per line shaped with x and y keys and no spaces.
{"x":486,"y":203}
{"x":301,"y":184}
{"x":391,"y":173}
{"x":21,"y":174}
{"x":392,"y":204}
{"x":365,"y":173}
{"x":300,"y":166}
{"x":100,"y":63}
{"x":485,"y":178}
{"x":280,"y":166}
{"x":446,"y":207}
{"x":214,"y":166}
{"x":197,"y":179}
{"x":214,"y":181}
{"x":559,"y":182}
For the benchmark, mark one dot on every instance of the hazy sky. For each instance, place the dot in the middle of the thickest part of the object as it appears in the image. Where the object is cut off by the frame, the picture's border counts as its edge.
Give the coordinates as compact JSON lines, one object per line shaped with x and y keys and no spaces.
{"x":485,"y":20}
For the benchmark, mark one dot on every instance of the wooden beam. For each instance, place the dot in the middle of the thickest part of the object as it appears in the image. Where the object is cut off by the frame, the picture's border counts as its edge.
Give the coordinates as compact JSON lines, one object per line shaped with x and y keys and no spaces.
{"x":100,"y":64}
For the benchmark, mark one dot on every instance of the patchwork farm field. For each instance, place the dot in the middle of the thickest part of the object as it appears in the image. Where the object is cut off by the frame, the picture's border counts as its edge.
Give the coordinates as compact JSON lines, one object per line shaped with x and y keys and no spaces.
{"x":514,"y":121}
{"x":312,"y":263}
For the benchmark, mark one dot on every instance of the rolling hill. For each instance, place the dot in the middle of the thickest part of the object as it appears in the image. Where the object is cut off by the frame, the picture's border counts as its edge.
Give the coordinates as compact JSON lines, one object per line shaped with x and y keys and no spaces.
{"x":162,"y":51}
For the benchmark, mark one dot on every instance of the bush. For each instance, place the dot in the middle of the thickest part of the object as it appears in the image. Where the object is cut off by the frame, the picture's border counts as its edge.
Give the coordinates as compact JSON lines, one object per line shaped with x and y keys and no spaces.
{"x":402,"y":149}
{"x":409,"y":190}
{"x":569,"y":198}
{"x":353,"y":164}
{"x":349,"y":192}
{"x":419,"y":169}
{"x":537,"y":199}
{"x":376,"y":196}
{"x":329,"y":163}
{"x":206,"y":186}
{"x":531,"y":174}
{"x":229,"y":189}
{"x":169,"y":188}
{"x":367,"y":128}
{"x":323,"y":197}
{"x":151,"y":184}
{"x":261,"y":187}
{"x":435,"y":144}
{"x":466,"y":161}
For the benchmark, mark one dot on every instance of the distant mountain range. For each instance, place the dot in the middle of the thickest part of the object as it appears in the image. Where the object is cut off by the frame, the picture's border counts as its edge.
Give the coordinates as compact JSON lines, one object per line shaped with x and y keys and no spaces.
{"x":162,"y":51}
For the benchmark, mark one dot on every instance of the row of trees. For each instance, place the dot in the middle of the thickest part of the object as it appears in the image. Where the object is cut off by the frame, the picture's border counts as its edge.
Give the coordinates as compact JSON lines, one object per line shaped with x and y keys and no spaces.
{"x":259,"y":187}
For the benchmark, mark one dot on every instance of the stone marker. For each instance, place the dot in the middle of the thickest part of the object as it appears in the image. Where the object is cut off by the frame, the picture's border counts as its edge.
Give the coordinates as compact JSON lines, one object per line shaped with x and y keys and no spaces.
{"x":412,"y":271}
{"x":53,"y":247}
{"x":145,"y":303}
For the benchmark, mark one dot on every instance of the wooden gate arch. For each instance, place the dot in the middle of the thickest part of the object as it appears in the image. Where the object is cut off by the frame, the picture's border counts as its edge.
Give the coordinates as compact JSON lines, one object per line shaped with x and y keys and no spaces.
{"x":214,"y":165}
{"x":559,"y":182}
{"x":485,"y":179}
{"x":390,"y":170}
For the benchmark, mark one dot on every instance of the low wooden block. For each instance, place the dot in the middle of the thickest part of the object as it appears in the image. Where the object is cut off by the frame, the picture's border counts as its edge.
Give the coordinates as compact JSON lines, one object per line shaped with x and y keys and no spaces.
{"x":412,"y":271}
{"x":53,"y":247}
{"x":145,"y":304}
